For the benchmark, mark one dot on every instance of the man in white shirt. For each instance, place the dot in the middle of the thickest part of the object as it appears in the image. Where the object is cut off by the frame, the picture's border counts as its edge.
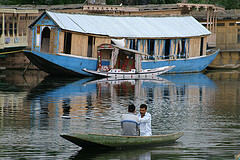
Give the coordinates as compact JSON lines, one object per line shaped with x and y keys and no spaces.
{"x":145,"y":121}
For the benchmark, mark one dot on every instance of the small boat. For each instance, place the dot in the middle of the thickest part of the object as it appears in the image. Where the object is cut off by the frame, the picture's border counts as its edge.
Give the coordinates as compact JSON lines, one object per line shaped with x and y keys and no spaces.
{"x":124,"y":64}
{"x":117,"y":141}
{"x":119,"y":74}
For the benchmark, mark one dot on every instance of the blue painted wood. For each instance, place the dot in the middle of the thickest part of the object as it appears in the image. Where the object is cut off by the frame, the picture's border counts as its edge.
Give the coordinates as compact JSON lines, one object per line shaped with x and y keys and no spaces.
{"x":77,"y":63}
{"x":182,"y":65}
{"x":45,"y":21}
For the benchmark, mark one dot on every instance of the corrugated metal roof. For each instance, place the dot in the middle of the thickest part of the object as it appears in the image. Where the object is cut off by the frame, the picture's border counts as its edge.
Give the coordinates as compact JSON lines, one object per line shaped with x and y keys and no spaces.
{"x":131,"y":27}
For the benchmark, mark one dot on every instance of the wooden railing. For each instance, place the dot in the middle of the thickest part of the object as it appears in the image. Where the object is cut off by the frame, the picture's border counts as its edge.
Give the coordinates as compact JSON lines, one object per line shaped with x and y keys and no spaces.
{"x":10,"y":41}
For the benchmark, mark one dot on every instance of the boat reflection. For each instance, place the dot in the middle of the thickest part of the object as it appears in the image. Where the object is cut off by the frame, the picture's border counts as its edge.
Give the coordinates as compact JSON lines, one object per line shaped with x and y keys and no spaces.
{"x":139,"y":154}
{"x":14,"y":88}
{"x":84,"y":96}
{"x":161,"y":152}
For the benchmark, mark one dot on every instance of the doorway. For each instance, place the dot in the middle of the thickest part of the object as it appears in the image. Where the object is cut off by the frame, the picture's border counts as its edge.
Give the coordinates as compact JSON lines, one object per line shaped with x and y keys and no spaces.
{"x":45,"y":40}
{"x":67,"y":42}
{"x":201,"y":47}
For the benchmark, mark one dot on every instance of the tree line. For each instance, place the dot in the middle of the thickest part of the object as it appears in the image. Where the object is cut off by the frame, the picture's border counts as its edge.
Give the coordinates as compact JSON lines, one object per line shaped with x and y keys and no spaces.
{"x":228,"y":4}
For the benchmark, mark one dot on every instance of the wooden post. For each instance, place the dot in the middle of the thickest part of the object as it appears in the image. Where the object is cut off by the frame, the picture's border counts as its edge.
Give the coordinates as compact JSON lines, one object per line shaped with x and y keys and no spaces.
{"x":216,"y":23}
{"x":18,"y":19}
{"x":3,"y":27}
{"x":210,"y":28}
{"x":26,"y":25}
{"x":207,"y":18}
{"x":213,"y":25}
{"x":13,"y":26}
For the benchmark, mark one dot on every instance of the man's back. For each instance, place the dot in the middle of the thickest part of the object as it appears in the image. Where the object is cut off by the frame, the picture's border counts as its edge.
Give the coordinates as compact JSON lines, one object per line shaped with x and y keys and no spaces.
{"x":130,"y":125}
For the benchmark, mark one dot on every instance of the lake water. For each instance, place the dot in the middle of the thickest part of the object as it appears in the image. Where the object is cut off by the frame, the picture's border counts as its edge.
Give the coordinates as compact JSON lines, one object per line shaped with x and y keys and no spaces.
{"x":36,"y":109}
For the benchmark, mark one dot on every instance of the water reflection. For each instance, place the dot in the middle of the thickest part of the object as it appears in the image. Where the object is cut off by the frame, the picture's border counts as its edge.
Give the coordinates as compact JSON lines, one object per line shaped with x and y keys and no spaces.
{"x":97,"y":104}
{"x":36,"y":110}
{"x":136,"y":154}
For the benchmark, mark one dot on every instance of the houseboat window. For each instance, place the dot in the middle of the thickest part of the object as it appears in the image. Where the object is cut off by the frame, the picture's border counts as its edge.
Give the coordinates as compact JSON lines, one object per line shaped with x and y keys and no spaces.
{"x":238,"y":24}
{"x":167,"y":48}
{"x":183,"y":48}
{"x":45,"y":40}
{"x":67,"y":42}
{"x":201,"y":47}
{"x":231,"y":24}
{"x":5,"y":30}
{"x":0,"y":29}
{"x":15,"y":28}
{"x":150,"y":43}
{"x":90,"y":46}
{"x":133,"y":44}
{"x":220,"y":24}
{"x":10,"y":28}
{"x":238,"y":38}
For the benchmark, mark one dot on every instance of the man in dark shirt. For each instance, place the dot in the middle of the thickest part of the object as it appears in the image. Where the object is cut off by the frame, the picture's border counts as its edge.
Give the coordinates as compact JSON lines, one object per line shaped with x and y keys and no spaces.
{"x":130,"y":122}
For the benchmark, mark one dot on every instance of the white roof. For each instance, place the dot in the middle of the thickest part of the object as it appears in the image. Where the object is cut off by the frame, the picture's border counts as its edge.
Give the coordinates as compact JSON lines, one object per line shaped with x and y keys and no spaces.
{"x":130,"y":27}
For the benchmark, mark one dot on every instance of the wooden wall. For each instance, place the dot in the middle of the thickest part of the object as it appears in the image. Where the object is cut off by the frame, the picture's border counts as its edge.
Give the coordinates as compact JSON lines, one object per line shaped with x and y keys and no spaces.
{"x":226,"y":59}
{"x":98,"y":42}
{"x":61,"y":42}
{"x":194,"y":48}
{"x":79,"y":45}
{"x":227,"y":34}
{"x":52,"y":41}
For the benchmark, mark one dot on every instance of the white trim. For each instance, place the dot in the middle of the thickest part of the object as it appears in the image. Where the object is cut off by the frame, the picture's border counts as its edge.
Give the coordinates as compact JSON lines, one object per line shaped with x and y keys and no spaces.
{"x":206,"y":23}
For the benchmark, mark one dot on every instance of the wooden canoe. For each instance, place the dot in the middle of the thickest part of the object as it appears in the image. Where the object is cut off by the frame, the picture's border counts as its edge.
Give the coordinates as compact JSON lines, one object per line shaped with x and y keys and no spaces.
{"x":115,"y":141}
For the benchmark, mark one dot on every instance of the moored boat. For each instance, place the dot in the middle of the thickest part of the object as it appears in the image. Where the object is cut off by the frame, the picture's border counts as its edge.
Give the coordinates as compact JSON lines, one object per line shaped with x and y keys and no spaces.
{"x":124,"y":64}
{"x":65,"y":44}
{"x":117,"y":141}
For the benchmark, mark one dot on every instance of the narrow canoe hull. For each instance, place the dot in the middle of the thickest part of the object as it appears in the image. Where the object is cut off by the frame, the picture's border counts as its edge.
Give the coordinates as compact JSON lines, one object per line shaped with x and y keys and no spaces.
{"x":71,"y":65}
{"x":114,"y":141}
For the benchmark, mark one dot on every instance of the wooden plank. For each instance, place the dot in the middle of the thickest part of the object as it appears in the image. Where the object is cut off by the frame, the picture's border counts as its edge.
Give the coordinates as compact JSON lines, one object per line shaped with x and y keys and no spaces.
{"x":52,"y":40}
{"x":79,"y":45}
{"x":98,"y":42}
{"x":61,"y":42}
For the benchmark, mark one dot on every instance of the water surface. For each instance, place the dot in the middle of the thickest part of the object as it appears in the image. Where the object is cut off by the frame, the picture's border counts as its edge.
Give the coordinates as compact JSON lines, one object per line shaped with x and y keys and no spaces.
{"x":36,"y":109}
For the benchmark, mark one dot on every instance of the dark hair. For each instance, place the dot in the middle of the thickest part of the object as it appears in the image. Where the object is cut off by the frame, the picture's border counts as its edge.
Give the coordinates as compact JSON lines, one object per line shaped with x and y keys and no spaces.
{"x":131,"y":108}
{"x":143,"y":106}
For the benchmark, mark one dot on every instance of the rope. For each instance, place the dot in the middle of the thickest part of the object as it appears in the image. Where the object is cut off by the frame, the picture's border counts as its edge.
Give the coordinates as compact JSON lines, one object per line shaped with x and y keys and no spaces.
{"x":11,"y":52}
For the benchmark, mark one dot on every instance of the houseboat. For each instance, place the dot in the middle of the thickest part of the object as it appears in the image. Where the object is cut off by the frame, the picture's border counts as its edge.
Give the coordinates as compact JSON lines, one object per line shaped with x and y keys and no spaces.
{"x":227,"y":34}
{"x":14,"y":34}
{"x":65,"y":44}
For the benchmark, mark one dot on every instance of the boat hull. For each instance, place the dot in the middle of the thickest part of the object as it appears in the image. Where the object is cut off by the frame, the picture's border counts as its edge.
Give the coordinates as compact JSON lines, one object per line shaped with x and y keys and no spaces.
{"x":70,"y":65}
{"x":114,"y":141}
{"x":118,"y":74}
{"x":194,"y":64}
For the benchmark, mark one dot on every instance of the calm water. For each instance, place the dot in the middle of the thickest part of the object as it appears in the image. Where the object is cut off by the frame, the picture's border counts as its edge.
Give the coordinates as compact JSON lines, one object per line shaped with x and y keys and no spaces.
{"x":35,"y":110}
